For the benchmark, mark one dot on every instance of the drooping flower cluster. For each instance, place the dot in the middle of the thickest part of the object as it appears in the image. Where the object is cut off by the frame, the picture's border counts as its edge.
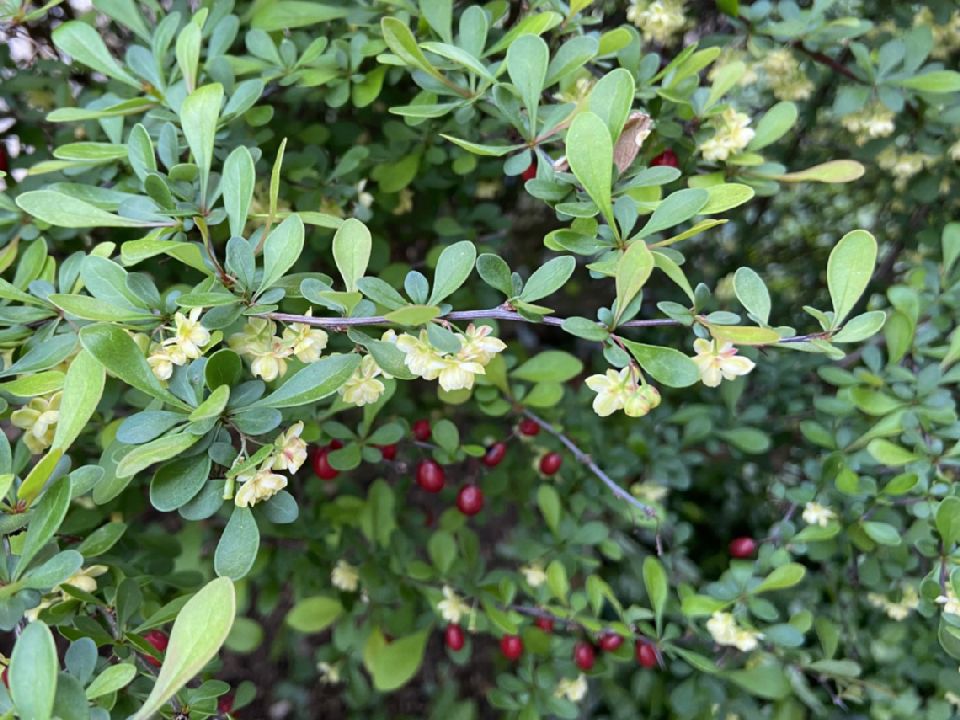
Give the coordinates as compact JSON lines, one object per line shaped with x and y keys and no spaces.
{"x":345,"y":576}
{"x":909,"y":600}
{"x":188,"y":342}
{"x":719,"y":362}
{"x":785,"y":76}
{"x":38,"y":419}
{"x":288,"y":455}
{"x":659,"y":21}
{"x":870,"y":122}
{"x":725,"y":631}
{"x":534,"y":574}
{"x":902,"y":165}
{"x":816,"y":514}
{"x":732,"y":133}
{"x":268,"y":353}
{"x":363,"y":387}
{"x":621,"y":391}
{"x":454,"y":371}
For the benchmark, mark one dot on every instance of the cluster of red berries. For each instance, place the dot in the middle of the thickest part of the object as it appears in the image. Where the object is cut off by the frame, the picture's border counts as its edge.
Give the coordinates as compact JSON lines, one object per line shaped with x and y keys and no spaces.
{"x":159,"y":640}
{"x":430,"y":475}
{"x":584,"y":653}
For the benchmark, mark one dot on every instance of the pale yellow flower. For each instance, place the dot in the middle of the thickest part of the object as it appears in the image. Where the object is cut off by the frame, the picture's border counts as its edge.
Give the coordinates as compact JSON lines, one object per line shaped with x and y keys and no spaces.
{"x":328,"y":674}
{"x":84,"y":579}
{"x":954,"y":151}
{"x":256,"y":334}
{"x":161,"y":361}
{"x":619,"y":391}
{"x":572,"y":690}
{"x":291,"y":450}
{"x":534,"y":574}
{"x":259,"y":486}
{"x":731,"y":135}
{"x":363,"y":387}
{"x":305,"y":341}
{"x":816,"y":514}
{"x":38,"y":419}
{"x":270,"y":362}
{"x":785,"y":76}
{"x":404,"y":202}
{"x":641,"y":400}
{"x":420,"y":357}
{"x":480,"y":345}
{"x":719,"y":363}
{"x":949,"y":601}
{"x":458,"y":374}
{"x":723,"y":628}
{"x":658,"y":20}
{"x":345,"y":576}
{"x":871,"y":122}
{"x":190,"y":337}
{"x":452,"y":608}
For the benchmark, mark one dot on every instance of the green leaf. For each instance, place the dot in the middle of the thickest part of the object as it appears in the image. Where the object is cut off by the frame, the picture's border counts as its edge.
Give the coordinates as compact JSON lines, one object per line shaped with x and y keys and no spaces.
{"x":753,"y":294}
{"x":39,"y":475}
{"x":198,"y":633}
{"x":950,"y":245}
{"x":351,"y":252}
{"x":480,"y":148}
{"x":177,"y":482}
{"x":834,"y":171}
{"x":590,"y":154}
{"x":861,"y":327}
{"x":611,"y":99}
{"x":849,"y":270}
{"x":548,"y":278}
{"x":32,"y":385}
{"x":585,"y":328}
{"x":495,"y":272}
{"x":948,"y":520}
{"x":314,"y":382}
{"x":549,"y":366}
{"x":633,"y":271}
{"x":557,"y":581}
{"x":765,"y":681}
{"x":155,"y":451}
{"x":439,"y":16}
{"x":314,"y":614}
{"x":442,"y":549}
{"x":744,"y":335}
{"x":188,"y":54}
{"x":199,"y":114}
{"x":111,"y":679}
{"x":533,"y":24}
{"x":48,"y":516}
{"x":238,"y":546}
{"x":239,"y":178}
{"x":124,"y":12}
{"x":665,"y":365}
{"x":655,"y":580}
{"x":937,"y":81}
{"x":413,"y":315}
{"x":54,"y":571}
{"x":549,"y":502}
{"x":281,"y":250}
{"x":280,"y":15}
{"x":404,"y":45}
{"x":82,"y":390}
{"x":726,"y":196}
{"x":527,"y":60}
{"x":453,"y":268}
{"x":882,"y":533}
{"x":888,"y":453}
{"x":83,"y":43}
{"x":118,"y":353}
{"x":34,"y":667}
{"x":782,"y":577}
{"x":676,"y":208}
{"x":773,"y":125}
{"x":393,"y":664}
{"x":56,"y":208}
{"x":88,"y":308}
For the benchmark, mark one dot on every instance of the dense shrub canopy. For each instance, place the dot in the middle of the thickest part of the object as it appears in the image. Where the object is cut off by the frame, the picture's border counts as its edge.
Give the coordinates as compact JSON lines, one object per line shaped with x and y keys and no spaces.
{"x":437,"y":359}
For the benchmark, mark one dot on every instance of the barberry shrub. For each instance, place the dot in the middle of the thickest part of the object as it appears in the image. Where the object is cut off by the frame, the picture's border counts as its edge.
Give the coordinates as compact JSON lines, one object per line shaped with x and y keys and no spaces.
{"x":435,"y":359}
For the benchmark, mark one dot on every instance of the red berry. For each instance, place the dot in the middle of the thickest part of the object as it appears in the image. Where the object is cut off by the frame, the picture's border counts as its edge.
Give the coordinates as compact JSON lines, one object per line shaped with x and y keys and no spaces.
{"x":610,"y":641}
{"x":646,"y":654}
{"x":545,"y":624}
{"x":550,"y":463}
{"x":495,"y":454}
{"x":321,"y":465}
{"x":6,"y":671}
{"x":470,"y":500}
{"x":389,"y":452}
{"x":529,"y":427}
{"x":334,"y":444}
{"x":453,"y":636}
{"x":668,"y":158}
{"x":531,"y":172}
{"x":511,"y":646}
{"x":743,"y":547}
{"x":421,"y":430}
{"x":157,"y":638}
{"x":430,"y":476}
{"x":583,"y":656}
{"x":225,"y":705}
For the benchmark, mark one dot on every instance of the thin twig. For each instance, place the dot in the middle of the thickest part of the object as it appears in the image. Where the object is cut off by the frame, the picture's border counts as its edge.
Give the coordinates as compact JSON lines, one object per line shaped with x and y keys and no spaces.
{"x":592,"y":466}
